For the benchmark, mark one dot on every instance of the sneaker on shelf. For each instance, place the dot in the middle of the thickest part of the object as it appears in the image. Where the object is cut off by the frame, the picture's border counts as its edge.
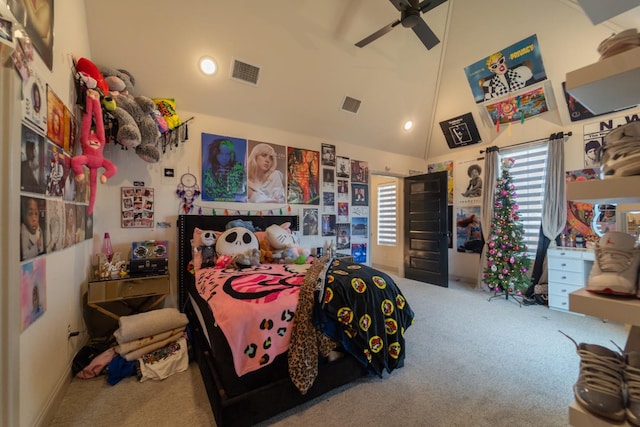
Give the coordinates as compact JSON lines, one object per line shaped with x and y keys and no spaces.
{"x":616,"y":265}
{"x":628,"y":132}
{"x":618,"y":43}
{"x":599,"y":388}
{"x":632,"y":378}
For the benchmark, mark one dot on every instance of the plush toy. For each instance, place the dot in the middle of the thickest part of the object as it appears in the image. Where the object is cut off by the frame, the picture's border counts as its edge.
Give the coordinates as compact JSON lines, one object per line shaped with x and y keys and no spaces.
{"x":139,"y":108}
{"x":282,"y":246}
{"x":236,"y":240}
{"x":91,"y":73}
{"x":246,"y":259}
{"x":92,"y":148}
{"x":207,"y":249}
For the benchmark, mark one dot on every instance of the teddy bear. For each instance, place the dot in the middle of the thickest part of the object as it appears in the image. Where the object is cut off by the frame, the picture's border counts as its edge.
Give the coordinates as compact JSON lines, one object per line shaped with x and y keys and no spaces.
{"x":140,"y":109}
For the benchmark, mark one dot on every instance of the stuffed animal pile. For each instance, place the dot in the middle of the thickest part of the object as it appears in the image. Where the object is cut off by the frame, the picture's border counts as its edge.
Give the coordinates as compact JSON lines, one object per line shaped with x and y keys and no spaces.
{"x":134,"y":115}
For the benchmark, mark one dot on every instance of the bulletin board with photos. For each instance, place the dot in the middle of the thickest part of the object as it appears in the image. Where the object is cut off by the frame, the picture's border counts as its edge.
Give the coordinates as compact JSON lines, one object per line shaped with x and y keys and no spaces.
{"x":137,"y":207}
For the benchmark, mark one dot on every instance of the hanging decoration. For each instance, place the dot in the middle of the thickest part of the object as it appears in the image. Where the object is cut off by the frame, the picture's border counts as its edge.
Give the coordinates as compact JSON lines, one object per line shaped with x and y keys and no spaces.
{"x":187,"y":191}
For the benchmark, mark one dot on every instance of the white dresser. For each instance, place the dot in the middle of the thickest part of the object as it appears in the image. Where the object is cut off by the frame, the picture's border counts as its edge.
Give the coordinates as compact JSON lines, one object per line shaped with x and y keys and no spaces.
{"x":568,"y":271}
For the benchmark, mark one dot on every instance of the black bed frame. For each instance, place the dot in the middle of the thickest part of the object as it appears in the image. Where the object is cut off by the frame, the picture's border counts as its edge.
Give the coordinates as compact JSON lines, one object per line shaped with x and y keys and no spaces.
{"x":246,"y":400}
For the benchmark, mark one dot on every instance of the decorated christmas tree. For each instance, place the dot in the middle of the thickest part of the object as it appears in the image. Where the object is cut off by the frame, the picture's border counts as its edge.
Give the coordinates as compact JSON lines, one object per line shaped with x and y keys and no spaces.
{"x":507,"y":261}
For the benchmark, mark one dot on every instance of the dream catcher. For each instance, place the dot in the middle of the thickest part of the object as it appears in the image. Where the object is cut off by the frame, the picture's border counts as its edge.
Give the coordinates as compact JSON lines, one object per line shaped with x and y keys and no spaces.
{"x":187,"y":191}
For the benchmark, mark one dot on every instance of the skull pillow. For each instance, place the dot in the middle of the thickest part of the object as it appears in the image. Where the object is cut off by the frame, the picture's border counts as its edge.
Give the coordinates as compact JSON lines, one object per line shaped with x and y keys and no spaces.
{"x":236,"y":240}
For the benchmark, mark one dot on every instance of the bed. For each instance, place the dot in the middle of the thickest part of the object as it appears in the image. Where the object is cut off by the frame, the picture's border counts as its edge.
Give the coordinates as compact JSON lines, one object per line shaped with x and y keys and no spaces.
{"x":259,"y":394}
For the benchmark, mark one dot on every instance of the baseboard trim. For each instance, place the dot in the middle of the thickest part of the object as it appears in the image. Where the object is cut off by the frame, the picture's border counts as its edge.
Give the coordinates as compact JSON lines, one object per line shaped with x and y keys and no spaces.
{"x":49,"y":410}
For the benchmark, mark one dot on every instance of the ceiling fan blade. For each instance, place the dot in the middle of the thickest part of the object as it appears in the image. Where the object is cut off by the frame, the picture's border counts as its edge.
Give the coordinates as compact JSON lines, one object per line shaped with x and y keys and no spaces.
{"x":427,"y":5}
{"x":381,"y":32}
{"x":424,"y":33}
{"x":401,"y":5}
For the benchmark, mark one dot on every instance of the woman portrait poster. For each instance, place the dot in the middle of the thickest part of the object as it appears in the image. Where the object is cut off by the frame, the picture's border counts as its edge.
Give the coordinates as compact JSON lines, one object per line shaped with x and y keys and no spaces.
{"x":224,"y":176}
{"x":266,"y":167}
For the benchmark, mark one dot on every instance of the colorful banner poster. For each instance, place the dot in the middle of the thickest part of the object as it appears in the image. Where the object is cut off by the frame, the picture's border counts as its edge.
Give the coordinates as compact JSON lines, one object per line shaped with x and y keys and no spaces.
{"x":511,"y":69}
{"x":519,"y":107}
{"x":224,"y":175}
{"x":460,"y":131}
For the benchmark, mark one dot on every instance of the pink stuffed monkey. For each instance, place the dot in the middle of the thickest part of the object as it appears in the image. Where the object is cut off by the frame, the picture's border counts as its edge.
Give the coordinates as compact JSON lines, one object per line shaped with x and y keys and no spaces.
{"x":92,"y":148}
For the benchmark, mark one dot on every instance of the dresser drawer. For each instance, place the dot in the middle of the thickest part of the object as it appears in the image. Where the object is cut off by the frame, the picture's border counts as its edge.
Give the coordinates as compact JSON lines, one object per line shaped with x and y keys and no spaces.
{"x":559,"y":302}
{"x":565,"y":264}
{"x":567,"y":276}
{"x":562,"y":288}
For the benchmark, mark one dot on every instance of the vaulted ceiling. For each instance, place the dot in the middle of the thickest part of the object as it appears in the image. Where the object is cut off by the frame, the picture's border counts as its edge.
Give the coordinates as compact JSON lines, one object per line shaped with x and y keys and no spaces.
{"x":307,"y":59}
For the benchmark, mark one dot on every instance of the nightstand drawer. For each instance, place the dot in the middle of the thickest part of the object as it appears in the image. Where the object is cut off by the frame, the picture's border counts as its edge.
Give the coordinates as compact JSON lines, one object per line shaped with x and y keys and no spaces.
{"x":567,"y":276}
{"x":565,"y":264}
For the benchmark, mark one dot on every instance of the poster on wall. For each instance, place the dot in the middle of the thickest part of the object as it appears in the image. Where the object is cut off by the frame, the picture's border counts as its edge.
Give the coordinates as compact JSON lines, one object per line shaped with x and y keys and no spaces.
{"x":359,"y":252}
{"x":34,"y":105}
{"x":594,"y":137}
{"x":55,"y":225}
{"x":522,"y":105}
{"x":468,"y":182}
{"x":468,"y":231}
{"x":580,"y":214}
{"x":55,"y":118}
{"x":32,"y":163}
{"x":304,"y":176}
{"x":33,"y":291}
{"x":310,"y":222}
{"x":448,"y":167}
{"x":359,"y":226}
{"x":328,"y":155}
{"x":359,"y":195}
{"x":6,"y":32}
{"x":343,"y":167}
{"x":55,"y":171}
{"x":343,"y":236}
{"x":32,"y":226}
{"x":224,"y":176}
{"x":137,"y":207}
{"x":508,"y":70}
{"x":328,"y":225}
{"x":460,"y":131}
{"x":36,"y":17}
{"x":266,"y":168}
{"x":359,"y":172}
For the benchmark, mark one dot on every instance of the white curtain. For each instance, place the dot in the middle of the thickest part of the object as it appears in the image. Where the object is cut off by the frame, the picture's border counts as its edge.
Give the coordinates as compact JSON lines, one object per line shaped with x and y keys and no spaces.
{"x":491,"y":169}
{"x":554,"y":207}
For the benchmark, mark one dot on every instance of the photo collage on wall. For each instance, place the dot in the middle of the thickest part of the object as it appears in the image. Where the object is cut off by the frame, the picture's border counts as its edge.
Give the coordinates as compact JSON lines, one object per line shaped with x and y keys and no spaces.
{"x":137,"y":207}
{"x":53,"y":204}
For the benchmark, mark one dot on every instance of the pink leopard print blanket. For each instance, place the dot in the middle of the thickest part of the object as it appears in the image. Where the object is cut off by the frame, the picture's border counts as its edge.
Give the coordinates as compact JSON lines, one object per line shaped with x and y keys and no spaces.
{"x":254,"y":307}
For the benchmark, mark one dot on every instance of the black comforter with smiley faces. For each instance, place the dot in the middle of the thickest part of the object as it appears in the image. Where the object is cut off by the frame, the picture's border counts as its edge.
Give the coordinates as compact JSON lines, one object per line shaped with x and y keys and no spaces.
{"x":363,"y":309}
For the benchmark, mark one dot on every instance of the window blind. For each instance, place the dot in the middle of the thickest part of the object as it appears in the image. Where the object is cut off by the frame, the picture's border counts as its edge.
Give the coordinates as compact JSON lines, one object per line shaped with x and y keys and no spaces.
{"x":387,"y":214}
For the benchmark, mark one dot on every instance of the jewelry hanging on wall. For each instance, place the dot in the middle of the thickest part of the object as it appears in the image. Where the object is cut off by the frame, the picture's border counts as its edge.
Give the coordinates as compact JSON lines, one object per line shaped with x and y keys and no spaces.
{"x":187,"y":191}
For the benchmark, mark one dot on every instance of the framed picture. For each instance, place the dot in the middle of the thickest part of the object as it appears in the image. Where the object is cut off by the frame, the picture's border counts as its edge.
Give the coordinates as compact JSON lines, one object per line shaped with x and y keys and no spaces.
{"x":137,"y":207}
{"x":6,"y":32}
{"x":359,"y":195}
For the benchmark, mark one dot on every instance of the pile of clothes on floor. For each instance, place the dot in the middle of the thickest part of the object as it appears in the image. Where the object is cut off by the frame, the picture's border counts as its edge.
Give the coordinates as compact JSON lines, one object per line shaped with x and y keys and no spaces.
{"x":150,"y":345}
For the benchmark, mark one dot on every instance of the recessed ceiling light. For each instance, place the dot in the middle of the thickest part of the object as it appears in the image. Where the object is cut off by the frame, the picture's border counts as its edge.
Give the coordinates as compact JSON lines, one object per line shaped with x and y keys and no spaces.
{"x":408,"y":125}
{"x":208,"y":66}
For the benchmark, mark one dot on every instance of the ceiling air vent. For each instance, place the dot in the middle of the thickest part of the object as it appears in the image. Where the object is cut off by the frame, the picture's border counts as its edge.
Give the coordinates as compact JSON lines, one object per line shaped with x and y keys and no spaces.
{"x":244,"y":72}
{"x":351,"y":105}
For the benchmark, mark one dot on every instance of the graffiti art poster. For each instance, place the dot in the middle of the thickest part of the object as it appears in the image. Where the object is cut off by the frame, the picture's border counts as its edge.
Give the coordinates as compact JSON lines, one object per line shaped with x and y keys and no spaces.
{"x":304,"y":176}
{"x":520,"y":106}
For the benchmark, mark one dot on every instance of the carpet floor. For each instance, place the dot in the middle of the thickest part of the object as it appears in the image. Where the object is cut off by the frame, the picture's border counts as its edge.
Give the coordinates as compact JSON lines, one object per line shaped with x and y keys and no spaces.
{"x":469,"y":362}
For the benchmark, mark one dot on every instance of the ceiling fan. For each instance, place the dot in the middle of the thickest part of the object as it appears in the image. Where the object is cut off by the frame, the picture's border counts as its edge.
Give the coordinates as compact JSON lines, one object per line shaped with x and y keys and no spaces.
{"x":410,"y":11}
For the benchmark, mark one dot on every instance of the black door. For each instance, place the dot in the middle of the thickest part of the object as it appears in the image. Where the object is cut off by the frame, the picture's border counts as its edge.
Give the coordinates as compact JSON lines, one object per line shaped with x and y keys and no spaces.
{"x":426,"y":256}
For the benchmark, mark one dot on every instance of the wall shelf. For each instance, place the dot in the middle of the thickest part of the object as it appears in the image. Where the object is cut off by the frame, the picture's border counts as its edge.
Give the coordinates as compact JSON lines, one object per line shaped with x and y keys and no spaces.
{"x":610,"y":190}
{"x":608,"y":85}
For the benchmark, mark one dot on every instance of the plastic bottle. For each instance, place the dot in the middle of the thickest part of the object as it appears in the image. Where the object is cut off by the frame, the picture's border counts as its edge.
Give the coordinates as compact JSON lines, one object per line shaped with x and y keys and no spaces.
{"x":107,"y":250}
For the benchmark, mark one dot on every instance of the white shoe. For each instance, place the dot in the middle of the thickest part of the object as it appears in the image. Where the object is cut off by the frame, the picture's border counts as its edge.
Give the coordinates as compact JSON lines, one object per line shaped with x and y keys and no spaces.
{"x":617,"y":261}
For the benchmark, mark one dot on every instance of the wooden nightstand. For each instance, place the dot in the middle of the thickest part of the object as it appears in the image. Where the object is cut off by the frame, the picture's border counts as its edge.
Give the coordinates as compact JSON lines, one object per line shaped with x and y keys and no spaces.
{"x":137,"y":294}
